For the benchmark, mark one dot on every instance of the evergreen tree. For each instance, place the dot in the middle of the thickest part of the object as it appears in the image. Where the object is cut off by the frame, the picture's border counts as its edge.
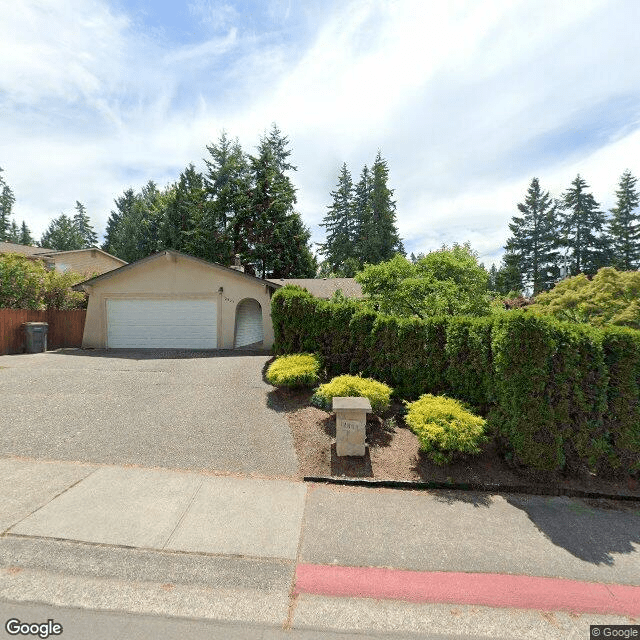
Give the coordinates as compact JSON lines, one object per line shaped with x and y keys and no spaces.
{"x":534,"y":239}
{"x":624,"y":226}
{"x":581,"y":224}
{"x":7,"y":200}
{"x":508,"y":278}
{"x":122,"y":228}
{"x":493,"y":274}
{"x":184,"y":213}
{"x":14,"y":233}
{"x":276,"y":239}
{"x":62,"y":235}
{"x":340,"y":224}
{"x":362,"y":216}
{"x":25,"y":235}
{"x":151,"y":207}
{"x":84,"y":227}
{"x":227,"y":185}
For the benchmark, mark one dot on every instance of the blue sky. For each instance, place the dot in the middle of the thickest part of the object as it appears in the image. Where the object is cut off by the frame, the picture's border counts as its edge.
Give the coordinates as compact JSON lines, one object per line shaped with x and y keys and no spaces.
{"x":466,"y":100}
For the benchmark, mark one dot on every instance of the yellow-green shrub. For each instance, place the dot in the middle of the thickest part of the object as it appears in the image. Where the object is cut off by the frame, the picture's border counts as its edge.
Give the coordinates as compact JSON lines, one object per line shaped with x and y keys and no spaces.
{"x":444,"y":427}
{"x":379,"y":394}
{"x":300,"y":370}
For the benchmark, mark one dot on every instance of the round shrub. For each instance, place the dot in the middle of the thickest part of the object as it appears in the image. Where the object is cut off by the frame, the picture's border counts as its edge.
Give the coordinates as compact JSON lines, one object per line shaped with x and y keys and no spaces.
{"x":444,"y":427}
{"x":300,"y":370}
{"x":379,"y":394}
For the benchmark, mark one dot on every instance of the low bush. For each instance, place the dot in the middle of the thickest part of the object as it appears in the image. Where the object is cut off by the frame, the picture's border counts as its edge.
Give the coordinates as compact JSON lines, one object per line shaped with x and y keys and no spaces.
{"x":379,"y":394}
{"x":300,"y":370}
{"x":445,"y":427}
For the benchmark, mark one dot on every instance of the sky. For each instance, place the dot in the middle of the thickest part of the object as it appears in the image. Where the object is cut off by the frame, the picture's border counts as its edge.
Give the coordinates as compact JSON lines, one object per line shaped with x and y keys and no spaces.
{"x":466,"y":100}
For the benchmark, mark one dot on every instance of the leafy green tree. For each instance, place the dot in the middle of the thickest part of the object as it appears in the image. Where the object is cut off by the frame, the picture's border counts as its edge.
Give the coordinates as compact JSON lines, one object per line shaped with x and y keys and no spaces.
{"x":581,"y":225}
{"x":445,"y":282}
{"x":7,"y":200}
{"x":84,"y":227}
{"x":534,"y":239}
{"x":611,"y":297}
{"x":340,"y":224}
{"x":25,"y":235}
{"x":624,"y":226}
{"x":62,"y":235}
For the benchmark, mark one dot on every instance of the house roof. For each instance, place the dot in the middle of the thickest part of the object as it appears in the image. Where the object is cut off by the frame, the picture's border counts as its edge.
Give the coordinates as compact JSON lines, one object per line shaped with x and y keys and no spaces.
{"x":54,"y":254}
{"x":11,"y":247}
{"x":325,"y":287}
{"x":160,"y":254}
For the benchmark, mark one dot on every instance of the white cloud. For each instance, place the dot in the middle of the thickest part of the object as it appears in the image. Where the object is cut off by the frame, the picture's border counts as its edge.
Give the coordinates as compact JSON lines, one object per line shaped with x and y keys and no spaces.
{"x":467,"y":102}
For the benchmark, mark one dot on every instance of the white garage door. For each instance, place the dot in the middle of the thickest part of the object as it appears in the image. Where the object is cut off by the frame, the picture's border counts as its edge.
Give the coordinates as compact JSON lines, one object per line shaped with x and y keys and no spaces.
{"x":170,"y":324}
{"x":248,"y":323}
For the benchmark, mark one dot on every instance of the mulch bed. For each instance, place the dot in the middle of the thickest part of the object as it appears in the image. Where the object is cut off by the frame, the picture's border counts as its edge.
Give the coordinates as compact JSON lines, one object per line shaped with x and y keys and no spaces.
{"x":393,"y":454}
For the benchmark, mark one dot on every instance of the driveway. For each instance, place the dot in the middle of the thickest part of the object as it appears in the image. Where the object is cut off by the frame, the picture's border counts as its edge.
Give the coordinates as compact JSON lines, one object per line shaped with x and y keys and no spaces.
{"x":179,"y":410}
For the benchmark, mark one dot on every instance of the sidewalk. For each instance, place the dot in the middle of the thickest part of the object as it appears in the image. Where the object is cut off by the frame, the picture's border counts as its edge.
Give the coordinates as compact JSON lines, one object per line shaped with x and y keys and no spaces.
{"x":305,"y":556}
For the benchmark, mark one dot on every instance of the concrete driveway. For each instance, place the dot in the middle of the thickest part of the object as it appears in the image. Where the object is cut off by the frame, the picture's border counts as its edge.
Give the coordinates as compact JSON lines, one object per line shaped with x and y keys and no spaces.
{"x":179,"y":410}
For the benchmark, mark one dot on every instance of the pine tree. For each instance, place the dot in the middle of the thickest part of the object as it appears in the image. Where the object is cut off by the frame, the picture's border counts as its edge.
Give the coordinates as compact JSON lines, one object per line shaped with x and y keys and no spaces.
{"x":624,"y":226}
{"x":7,"y":200}
{"x":340,"y":224}
{"x":581,"y":225}
{"x":84,"y":227}
{"x":227,"y":185}
{"x":362,"y":217}
{"x":62,"y":235}
{"x":535,"y":240}
{"x":276,"y":239}
{"x":120,"y":237}
{"x":508,"y":278}
{"x":184,"y":212}
{"x":25,"y":235}
{"x":14,"y":233}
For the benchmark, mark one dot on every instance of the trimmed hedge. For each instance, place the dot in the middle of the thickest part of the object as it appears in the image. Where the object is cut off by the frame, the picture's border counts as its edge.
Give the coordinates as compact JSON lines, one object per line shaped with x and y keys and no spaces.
{"x":557,"y":395}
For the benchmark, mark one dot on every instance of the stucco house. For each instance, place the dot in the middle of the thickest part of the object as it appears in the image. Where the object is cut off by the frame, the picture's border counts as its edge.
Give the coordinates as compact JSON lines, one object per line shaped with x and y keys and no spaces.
{"x":87,"y":261}
{"x":172,"y":300}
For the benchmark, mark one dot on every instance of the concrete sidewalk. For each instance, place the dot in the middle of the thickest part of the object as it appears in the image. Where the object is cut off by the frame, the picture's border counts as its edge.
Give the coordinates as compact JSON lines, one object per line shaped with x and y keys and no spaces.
{"x":228,"y":548}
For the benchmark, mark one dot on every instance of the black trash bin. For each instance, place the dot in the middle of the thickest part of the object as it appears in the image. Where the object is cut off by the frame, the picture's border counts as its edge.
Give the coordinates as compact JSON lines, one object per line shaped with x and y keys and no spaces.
{"x":36,"y":333}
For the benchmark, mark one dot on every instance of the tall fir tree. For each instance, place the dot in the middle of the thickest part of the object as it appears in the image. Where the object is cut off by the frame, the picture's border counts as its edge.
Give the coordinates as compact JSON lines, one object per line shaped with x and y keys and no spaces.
{"x":535,"y":239}
{"x":25,"y":235}
{"x":184,"y":213}
{"x":581,"y":226}
{"x":508,"y":278}
{"x":84,"y":226}
{"x":277,"y":240}
{"x":120,"y":237}
{"x":7,"y":200}
{"x":227,"y":186}
{"x":339,"y":247}
{"x":62,"y":235}
{"x":624,"y":226}
{"x":14,"y":233}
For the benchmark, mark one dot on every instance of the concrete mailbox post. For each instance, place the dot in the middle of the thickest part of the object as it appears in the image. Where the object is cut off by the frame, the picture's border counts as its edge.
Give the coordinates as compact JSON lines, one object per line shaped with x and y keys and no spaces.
{"x":351,"y":425}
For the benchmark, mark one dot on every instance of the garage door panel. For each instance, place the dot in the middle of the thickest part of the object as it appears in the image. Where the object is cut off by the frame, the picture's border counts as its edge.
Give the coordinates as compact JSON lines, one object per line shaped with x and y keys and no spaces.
{"x":148,"y":323}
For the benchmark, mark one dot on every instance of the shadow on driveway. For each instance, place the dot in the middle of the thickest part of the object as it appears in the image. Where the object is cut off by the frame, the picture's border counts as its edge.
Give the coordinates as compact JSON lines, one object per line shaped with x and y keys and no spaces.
{"x":162,"y":354}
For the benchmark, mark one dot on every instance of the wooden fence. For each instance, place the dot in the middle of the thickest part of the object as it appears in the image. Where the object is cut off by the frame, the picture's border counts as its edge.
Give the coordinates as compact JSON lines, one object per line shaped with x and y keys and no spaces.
{"x":65,"y":328}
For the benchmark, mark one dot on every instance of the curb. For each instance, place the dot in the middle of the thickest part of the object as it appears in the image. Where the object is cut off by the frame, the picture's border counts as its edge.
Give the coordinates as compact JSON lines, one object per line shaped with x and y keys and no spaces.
{"x":471,"y":486}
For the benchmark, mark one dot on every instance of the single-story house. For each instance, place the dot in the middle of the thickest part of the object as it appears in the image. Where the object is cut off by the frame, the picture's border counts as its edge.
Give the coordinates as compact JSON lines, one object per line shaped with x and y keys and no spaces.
{"x":175,"y":301}
{"x":87,"y":261}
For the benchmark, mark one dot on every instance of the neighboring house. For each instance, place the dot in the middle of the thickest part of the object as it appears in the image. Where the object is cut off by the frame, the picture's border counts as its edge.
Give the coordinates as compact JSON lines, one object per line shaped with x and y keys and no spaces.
{"x":175,"y":301}
{"x":324,"y":287}
{"x":87,"y":261}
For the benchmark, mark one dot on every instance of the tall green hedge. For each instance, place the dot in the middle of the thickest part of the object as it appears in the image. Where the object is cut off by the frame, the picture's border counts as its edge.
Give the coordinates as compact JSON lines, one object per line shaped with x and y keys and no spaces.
{"x":558,"y":395}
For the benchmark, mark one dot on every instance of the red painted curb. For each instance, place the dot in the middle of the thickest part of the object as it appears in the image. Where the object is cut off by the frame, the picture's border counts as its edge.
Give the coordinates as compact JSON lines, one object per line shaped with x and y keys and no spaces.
{"x":492,"y":590}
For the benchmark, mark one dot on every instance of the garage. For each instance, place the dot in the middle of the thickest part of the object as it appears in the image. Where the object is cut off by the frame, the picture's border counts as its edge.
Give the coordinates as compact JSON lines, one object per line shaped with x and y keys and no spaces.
{"x":172,"y":324}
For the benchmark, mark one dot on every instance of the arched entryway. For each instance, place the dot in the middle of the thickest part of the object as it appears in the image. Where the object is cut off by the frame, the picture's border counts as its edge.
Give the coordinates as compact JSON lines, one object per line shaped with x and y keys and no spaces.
{"x":249,"y":329}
